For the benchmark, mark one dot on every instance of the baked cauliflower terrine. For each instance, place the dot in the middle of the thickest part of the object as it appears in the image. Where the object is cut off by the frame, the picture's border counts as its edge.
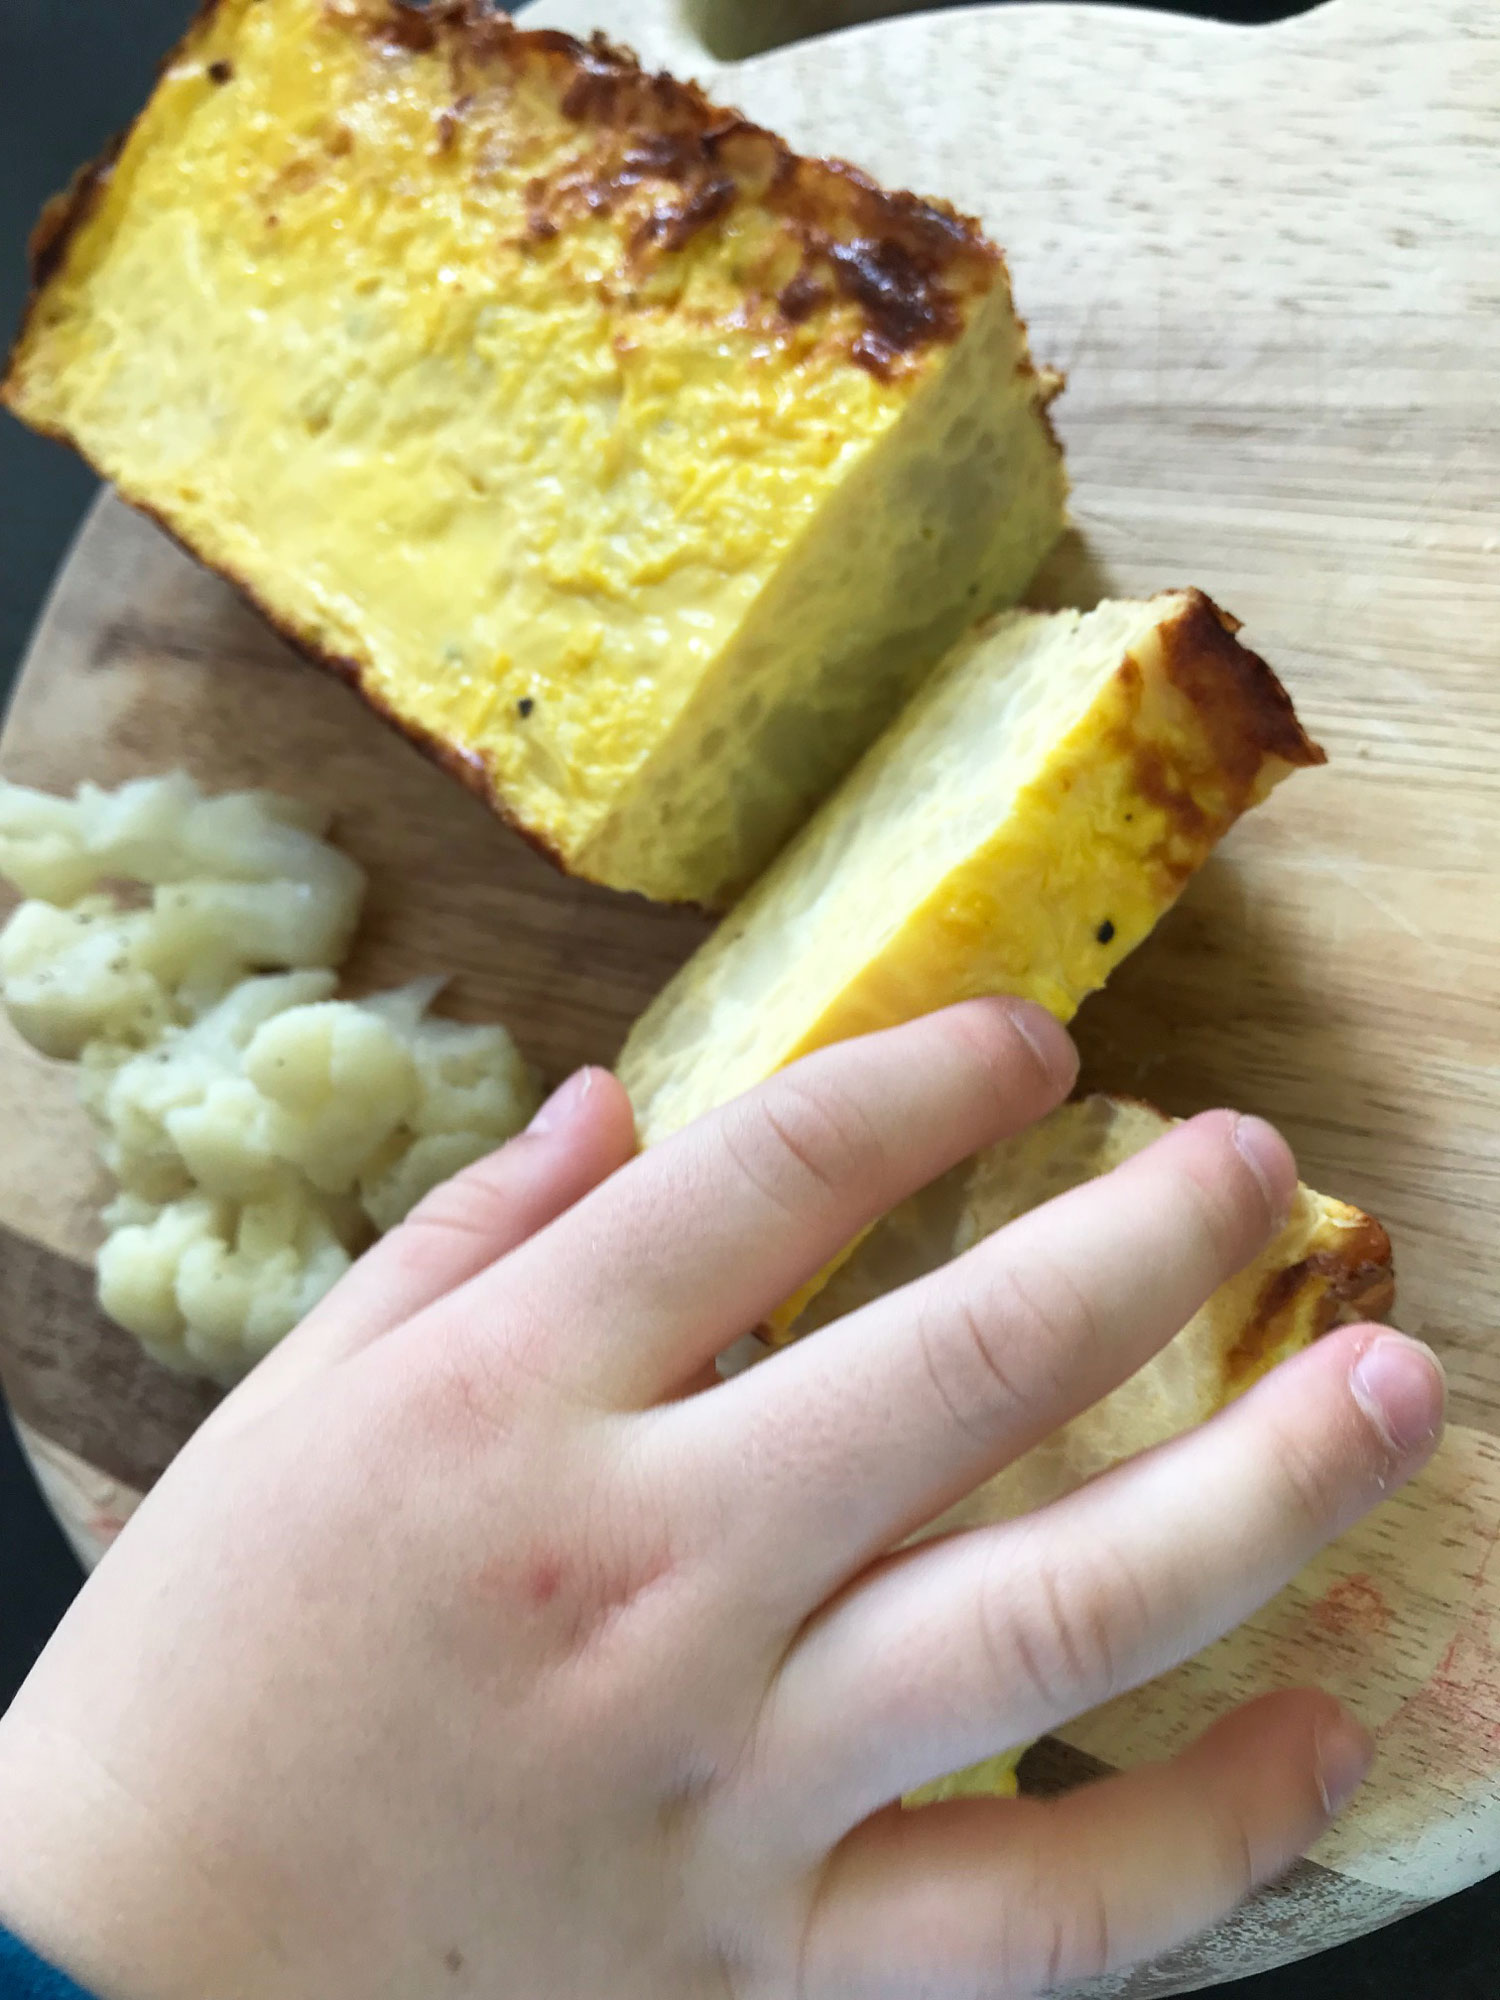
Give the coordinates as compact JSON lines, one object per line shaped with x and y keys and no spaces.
{"x":633,"y":464}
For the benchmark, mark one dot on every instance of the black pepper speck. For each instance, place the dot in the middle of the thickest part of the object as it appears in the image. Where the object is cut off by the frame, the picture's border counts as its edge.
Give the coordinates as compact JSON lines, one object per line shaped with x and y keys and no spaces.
{"x":1105,"y":932}
{"x":524,"y":706}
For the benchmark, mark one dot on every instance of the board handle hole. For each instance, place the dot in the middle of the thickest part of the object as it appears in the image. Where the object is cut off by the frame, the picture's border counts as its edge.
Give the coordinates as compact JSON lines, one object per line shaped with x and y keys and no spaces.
{"x":733,"y":29}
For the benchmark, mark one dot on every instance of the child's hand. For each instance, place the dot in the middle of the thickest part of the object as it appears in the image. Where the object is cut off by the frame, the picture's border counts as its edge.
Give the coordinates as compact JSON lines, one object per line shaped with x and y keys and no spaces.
{"x":466,"y":1651}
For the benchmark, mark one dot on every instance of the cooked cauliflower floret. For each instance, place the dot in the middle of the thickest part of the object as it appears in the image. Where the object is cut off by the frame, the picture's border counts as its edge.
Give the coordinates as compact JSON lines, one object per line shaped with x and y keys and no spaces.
{"x":162,"y":830}
{"x":259,"y":1129}
{"x":222,"y":1140}
{"x":238,"y":884}
{"x":337,"y":1081}
{"x":74,"y":976}
{"x":474,"y":1090}
{"x":471,"y":1078}
{"x":177,"y":1114}
{"x":205,"y":935}
{"x":279,"y":1094}
{"x":240,"y":1295}
{"x":138,"y":1264}
{"x":209,"y":1289}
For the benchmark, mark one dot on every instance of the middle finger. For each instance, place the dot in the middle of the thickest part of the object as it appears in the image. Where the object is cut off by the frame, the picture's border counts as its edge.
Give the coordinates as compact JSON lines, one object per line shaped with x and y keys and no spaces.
{"x":831,"y":1452}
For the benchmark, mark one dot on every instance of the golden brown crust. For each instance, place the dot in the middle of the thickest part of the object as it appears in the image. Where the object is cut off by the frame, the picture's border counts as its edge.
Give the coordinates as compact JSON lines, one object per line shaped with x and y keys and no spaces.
{"x":1245,"y":731}
{"x":1343,"y":1274}
{"x":1355,"y":1281}
{"x":1247,"y":712}
{"x":66,"y":213}
{"x":904,"y":262}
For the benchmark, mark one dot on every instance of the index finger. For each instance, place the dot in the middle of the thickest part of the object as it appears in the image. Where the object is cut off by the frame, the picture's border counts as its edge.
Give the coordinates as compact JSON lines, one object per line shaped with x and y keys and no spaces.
{"x":704,"y":1235}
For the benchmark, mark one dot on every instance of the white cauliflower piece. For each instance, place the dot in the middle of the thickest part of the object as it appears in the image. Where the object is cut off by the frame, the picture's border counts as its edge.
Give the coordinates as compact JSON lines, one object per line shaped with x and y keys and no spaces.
{"x":208,"y":1289}
{"x":157,"y":830}
{"x":178,"y":1113}
{"x":204,"y":935}
{"x":337,"y":1081}
{"x":474,"y":1090}
{"x":238,"y":884}
{"x":257,"y":1127}
{"x":238,"y":1142}
{"x":74,"y":976}
{"x":222,"y":1140}
{"x":471,"y":1078}
{"x":138,"y":1265}
{"x":42,"y":848}
{"x":239,"y":1294}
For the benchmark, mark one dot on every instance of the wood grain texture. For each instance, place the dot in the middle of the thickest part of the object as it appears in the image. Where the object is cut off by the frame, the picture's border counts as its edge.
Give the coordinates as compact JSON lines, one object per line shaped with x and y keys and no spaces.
{"x":1269,"y":260}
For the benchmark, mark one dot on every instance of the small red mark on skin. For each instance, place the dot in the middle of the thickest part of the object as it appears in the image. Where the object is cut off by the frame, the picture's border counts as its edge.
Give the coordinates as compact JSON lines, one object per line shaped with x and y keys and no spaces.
{"x":1353,"y":1607}
{"x":533,"y":1583}
{"x":543,"y":1581}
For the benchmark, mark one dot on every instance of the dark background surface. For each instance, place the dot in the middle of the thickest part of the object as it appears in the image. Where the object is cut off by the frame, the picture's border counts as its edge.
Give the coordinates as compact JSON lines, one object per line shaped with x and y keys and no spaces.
{"x":71,"y":72}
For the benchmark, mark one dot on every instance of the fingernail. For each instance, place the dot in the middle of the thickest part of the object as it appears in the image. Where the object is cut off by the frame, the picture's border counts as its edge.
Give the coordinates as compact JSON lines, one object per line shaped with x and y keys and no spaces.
{"x":1269,"y":1158}
{"x":1400,"y":1386}
{"x":1345,"y":1752}
{"x":1049,"y":1041}
{"x":564,"y":1104}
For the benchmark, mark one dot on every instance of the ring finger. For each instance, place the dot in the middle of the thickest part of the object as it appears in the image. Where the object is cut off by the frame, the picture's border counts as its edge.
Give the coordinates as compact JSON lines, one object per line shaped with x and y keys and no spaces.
{"x":955,"y":1650}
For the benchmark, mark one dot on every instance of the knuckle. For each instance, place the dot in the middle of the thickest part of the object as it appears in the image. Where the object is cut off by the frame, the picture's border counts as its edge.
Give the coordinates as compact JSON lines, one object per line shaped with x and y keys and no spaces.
{"x":1054,"y":1315}
{"x":1065,"y":1635}
{"x":801,"y":1137}
{"x":471,"y":1203}
{"x":1004,"y":1338}
{"x":1060,"y":1932}
{"x":1078,"y":1942}
{"x":966,"y":1368}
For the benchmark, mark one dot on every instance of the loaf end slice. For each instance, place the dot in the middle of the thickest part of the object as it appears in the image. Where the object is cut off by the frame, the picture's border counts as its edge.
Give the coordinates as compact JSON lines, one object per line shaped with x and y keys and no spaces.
{"x":1018,"y":830}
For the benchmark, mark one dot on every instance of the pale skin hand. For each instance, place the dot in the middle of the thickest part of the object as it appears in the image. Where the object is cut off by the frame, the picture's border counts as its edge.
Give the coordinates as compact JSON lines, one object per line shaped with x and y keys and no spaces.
{"x":476,"y":1647}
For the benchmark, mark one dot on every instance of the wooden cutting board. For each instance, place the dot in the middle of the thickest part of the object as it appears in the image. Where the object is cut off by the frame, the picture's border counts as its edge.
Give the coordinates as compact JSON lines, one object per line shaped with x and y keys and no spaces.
{"x":1270,"y":261}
